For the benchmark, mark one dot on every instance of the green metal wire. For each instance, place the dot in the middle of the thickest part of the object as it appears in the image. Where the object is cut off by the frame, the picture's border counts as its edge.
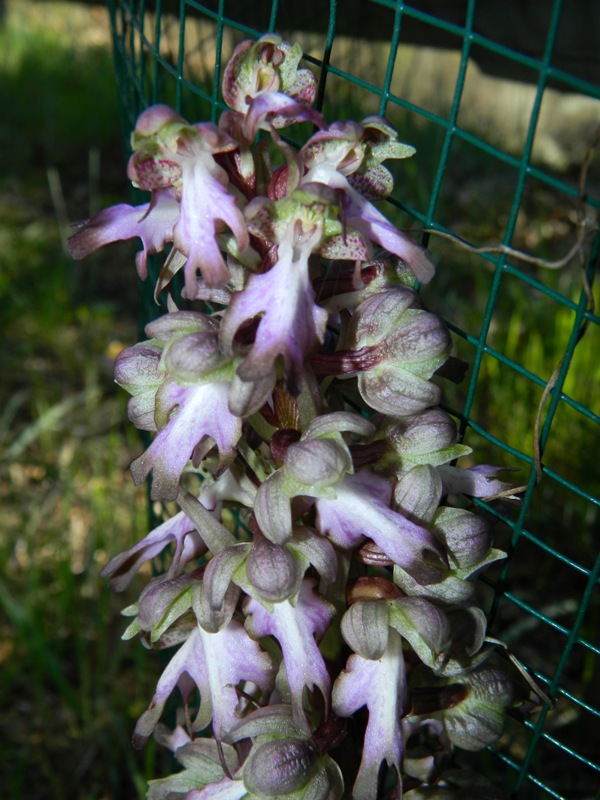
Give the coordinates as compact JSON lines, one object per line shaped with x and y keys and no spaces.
{"x":549,"y":585}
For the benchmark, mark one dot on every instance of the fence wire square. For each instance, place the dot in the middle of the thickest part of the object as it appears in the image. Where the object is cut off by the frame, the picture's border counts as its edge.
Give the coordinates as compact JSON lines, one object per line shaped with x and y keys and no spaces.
{"x":529,"y":333}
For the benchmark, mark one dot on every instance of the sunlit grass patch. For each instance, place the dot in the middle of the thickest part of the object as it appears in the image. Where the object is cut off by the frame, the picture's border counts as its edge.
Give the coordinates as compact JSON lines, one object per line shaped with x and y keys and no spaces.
{"x":69,"y":691}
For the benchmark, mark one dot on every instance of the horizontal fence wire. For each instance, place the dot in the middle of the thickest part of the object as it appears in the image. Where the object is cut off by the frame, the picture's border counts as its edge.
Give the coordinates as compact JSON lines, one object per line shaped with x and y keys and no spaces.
{"x":528,"y":328}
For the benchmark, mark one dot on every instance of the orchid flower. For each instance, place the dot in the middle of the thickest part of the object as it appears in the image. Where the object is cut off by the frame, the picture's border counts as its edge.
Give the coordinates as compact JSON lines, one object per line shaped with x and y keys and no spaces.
{"x":333,"y":155}
{"x":291,"y":325}
{"x":215,"y":663}
{"x":295,"y":627}
{"x":268,"y":65}
{"x":190,"y":409}
{"x":380,"y":685}
{"x":167,"y":150}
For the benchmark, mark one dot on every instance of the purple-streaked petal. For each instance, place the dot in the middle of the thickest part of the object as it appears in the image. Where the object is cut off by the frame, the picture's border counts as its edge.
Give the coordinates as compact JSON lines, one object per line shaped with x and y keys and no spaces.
{"x":381,"y":686}
{"x":205,"y":204}
{"x":272,"y":509}
{"x":201,"y":412}
{"x":231,"y":657}
{"x":361,"y":510}
{"x":426,"y":438}
{"x":418,"y":493}
{"x":273,"y":571}
{"x":291,"y":324}
{"x":178,"y":529}
{"x":365,"y":628}
{"x":424,"y":625}
{"x":479,"y":481}
{"x":219,"y":572}
{"x":295,"y":627}
{"x":362,"y":215}
{"x":317,"y":550}
{"x":273,"y":109}
{"x":152,"y":222}
{"x":397,"y":392}
{"x":466,"y":536}
{"x":317,"y":463}
{"x":215,"y":663}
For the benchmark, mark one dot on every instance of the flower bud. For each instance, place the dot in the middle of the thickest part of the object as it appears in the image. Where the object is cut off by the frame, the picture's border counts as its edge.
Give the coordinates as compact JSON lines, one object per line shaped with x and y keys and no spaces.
{"x":150,"y":121}
{"x":365,"y":627}
{"x":176,"y":323}
{"x":189,"y":357}
{"x":478,"y":720}
{"x":411,"y":343}
{"x":279,"y":767}
{"x":161,"y":596}
{"x":425,"y":438}
{"x":397,"y":392}
{"x":378,"y":315}
{"x":272,"y":570}
{"x":210,"y":618}
{"x":418,"y":493}
{"x":317,"y":462}
{"x":418,"y":337}
{"x":137,"y":370}
{"x":466,"y":536}
{"x":268,"y":65}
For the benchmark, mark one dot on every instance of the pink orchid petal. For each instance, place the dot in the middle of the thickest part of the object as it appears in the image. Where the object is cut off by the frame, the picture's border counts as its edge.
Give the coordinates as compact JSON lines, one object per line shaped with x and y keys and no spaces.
{"x":380,"y":685}
{"x":205,"y":203}
{"x":201,"y":412}
{"x":361,"y":510}
{"x":152,"y":222}
{"x":295,"y":627}
{"x":291,"y":325}
{"x":362,"y":215}
{"x":215,"y":663}
{"x":178,"y":529}
{"x":479,"y":481}
{"x":274,"y":109}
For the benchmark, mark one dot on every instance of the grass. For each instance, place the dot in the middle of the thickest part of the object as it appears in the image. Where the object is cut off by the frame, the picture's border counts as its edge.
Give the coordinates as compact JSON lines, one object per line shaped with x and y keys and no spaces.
{"x":70,"y":691}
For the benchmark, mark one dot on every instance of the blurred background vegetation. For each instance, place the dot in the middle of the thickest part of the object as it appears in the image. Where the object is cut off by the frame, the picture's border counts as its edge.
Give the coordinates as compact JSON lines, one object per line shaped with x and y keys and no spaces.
{"x":70,"y":691}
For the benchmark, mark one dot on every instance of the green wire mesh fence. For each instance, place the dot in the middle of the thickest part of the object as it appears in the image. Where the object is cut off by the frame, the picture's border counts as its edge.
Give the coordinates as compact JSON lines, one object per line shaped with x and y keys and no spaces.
{"x":486,"y":170}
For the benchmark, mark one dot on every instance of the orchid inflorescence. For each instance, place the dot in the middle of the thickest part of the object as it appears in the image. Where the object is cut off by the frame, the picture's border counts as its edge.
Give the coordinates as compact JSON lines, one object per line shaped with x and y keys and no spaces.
{"x":316,"y":568}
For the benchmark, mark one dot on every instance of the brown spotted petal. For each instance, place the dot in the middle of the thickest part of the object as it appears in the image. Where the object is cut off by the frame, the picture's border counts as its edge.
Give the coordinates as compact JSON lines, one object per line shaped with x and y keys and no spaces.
{"x":268,"y":65}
